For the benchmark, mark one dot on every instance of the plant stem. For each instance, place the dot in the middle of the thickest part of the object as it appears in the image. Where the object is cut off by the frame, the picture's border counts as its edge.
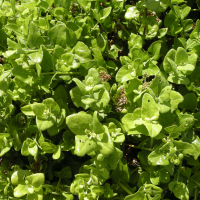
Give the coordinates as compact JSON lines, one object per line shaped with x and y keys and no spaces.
{"x":38,"y":144}
{"x":2,"y":47}
{"x":64,"y":73}
{"x":131,"y":145}
{"x":133,"y":171}
{"x":196,"y":194}
{"x":124,"y":187}
{"x":198,"y":184}
{"x":180,"y":165}
{"x":195,"y":10}
{"x":35,"y":50}
{"x":58,"y":184}
{"x":151,"y":144}
{"x":108,"y":56}
{"x":145,"y":26}
{"x":122,"y":26}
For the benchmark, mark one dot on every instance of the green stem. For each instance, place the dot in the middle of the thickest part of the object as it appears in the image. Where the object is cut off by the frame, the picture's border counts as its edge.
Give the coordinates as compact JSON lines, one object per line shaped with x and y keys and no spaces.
{"x":179,"y":171}
{"x":124,"y":187}
{"x":122,"y":26}
{"x":64,"y":73}
{"x":183,"y":110}
{"x":131,"y":145}
{"x":35,"y":50}
{"x":196,"y":194}
{"x":58,"y":184}
{"x":195,"y":10}
{"x":145,"y":26}
{"x":108,"y":56}
{"x":38,"y":144}
{"x":133,"y":171}
{"x":151,"y":144}
{"x":2,"y":47}
{"x":198,"y":184}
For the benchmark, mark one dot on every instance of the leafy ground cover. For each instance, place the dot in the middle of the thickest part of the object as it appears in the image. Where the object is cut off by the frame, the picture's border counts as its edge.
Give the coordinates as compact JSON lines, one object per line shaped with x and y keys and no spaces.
{"x":99,"y":99}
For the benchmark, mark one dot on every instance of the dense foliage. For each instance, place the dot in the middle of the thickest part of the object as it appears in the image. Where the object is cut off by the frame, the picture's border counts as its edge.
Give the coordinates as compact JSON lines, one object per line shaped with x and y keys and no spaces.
{"x":99,"y":99}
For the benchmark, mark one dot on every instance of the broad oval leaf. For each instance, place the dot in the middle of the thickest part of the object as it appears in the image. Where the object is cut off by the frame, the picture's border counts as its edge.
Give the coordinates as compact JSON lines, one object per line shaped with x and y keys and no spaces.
{"x":150,"y":112}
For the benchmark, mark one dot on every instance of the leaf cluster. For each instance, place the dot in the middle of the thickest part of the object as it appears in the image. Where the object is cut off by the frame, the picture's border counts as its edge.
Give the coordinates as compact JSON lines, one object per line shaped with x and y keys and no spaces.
{"x":99,"y":99}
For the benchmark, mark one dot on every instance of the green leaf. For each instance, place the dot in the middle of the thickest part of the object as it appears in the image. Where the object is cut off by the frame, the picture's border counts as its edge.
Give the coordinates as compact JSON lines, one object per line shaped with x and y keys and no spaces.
{"x":20,"y":190}
{"x":150,"y":68}
{"x":48,"y":61}
{"x":158,"y":157}
{"x":162,"y":32}
{"x":36,"y":57}
{"x":44,"y":124}
{"x":40,"y":110}
{"x":34,"y":39}
{"x":196,"y":32}
{"x":185,"y":148}
{"x":23,"y":75}
{"x":57,"y":153}
{"x":121,"y":173}
{"x":176,"y":98}
{"x":159,"y":176}
{"x":19,"y":176}
{"x":105,"y":144}
{"x":100,"y":42}
{"x":36,"y":180}
{"x":97,"y":127}
{"x":29,"y":147}
{"x":38,"y":195}
{"x":154,"y":49}
{"x":125,"y":73}
{"x":132,"y":13}
{"x":166,"y":64}
{"x":137,"y":196}
{"x":189,"y":102}
{"x":187,"y":69}
{"x":82,"y":52}
{"x":179,"y":189}
{"x":58,"y":35}
{"x":84,"y":145}
{"x":135,"y":41}
{"x":156,"y":6}
{"x":52,"y":106}
{"x":76,"y":96}
{"x":86,"y":4}
{"x":181,"y":57}
{"x":64,"y":173}
{"x":150,"y":111}
{"x":173,"y":131}
{"x":158,"y":83}
{"x":178,"y":80}
{"x":61,"y":93}
{"x":104,"y":13}
{"x":79,"y":122}
{"x":48,"y":147}
{"x":153,"y":129}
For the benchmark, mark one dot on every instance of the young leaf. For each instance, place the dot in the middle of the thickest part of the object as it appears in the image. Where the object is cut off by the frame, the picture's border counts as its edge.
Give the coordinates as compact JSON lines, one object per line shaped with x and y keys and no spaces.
{"x":79,"y":122}
{"x":150,"y":111}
